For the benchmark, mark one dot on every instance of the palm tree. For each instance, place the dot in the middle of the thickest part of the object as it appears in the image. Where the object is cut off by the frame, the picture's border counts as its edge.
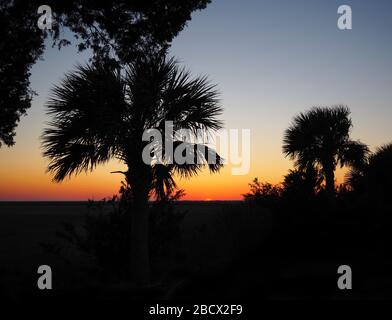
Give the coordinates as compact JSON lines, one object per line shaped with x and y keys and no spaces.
{"x":321,"y":137}
{"x":100,"y":113}
{"x":374,"y":177}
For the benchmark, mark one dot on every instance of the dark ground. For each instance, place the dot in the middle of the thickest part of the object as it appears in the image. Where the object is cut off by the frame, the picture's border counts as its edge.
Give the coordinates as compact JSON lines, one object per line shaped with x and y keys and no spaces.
{"x":233,"y":251}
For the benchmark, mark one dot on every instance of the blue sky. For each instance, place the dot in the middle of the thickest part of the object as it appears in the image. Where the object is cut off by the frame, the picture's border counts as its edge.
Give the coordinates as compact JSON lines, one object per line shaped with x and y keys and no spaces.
{"x":273,"y":59}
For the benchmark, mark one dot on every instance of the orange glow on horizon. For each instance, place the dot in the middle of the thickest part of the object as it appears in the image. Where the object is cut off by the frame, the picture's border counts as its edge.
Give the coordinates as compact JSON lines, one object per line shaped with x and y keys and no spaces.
{"x":23,"y":177}
{"x":30,"y":184}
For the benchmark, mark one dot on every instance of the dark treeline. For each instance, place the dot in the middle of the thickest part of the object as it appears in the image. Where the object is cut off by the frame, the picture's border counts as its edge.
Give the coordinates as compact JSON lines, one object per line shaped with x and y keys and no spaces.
{"x":334,"y":224}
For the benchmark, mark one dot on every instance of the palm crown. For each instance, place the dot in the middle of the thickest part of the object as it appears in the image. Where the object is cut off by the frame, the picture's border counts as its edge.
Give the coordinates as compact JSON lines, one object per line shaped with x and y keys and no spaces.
{"x":374,"y":176}
{"x":99,"y":113}
{"x":321,"y":137}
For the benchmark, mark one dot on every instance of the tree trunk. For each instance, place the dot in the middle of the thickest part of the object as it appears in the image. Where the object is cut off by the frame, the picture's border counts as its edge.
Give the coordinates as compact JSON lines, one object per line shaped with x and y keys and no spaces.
{"x":140,"y":262}
{"x":329,"y":181}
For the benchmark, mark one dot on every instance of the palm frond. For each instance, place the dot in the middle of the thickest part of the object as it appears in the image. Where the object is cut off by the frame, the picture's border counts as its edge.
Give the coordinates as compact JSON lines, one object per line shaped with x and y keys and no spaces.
{"x":195,"y":157}
{"x":173,"y":95}
{"x":353,"y":153}
{"x":86,"y":110}
{"x":192,"y":104}
{"x":163,"y":182}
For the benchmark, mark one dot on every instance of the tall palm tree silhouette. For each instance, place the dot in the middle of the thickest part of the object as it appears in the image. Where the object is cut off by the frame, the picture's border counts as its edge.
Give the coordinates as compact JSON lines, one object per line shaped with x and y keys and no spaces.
{"x":99,"y":113}
{"x":321,"y":137}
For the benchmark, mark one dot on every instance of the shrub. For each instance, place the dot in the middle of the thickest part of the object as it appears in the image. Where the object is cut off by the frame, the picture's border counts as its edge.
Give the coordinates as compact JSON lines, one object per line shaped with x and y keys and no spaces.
{"x":105,"y":235}
{"x":264,"y":194}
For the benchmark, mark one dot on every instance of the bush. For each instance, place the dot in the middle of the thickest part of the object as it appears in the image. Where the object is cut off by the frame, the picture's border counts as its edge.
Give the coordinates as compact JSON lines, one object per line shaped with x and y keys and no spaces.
{"x":105,"y":236}
{"x":264,"y":194}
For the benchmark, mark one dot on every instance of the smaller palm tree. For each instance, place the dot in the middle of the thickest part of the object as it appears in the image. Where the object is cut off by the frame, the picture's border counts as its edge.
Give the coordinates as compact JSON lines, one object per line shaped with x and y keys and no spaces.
{"x":375,"y":176}
{"x":320,"y":137}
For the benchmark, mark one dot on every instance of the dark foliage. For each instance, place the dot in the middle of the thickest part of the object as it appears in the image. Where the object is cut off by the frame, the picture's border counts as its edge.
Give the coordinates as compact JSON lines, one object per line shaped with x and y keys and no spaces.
{"x":21,"y":45}
{"x":302,"y":185}
{"x":371,"y":184}
{"x":105,"y":236}
{"x":263,"y":194}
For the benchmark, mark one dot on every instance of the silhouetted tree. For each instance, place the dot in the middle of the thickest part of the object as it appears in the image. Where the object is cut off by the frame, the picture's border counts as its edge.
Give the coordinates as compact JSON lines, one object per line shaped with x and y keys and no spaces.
{"x":263,"y":193}
{"x":375,"y":176}
{"x":20,"y":47}
{"x":114,"y":30}
{"x":99,"y":113}
{"x":321,"y":138}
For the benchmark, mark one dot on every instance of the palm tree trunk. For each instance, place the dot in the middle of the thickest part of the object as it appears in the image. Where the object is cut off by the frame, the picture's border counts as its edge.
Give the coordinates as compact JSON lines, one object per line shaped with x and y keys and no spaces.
{"x":140,"y":263}
{"x":329,"y":181}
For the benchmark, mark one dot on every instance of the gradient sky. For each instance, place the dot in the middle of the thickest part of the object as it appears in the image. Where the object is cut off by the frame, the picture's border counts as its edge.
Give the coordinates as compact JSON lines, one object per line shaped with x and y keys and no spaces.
{"x":270,"y":59}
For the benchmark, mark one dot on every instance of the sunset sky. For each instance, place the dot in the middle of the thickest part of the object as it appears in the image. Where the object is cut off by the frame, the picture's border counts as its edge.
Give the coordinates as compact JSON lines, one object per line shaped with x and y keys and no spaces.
{"x":270,"y":60}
